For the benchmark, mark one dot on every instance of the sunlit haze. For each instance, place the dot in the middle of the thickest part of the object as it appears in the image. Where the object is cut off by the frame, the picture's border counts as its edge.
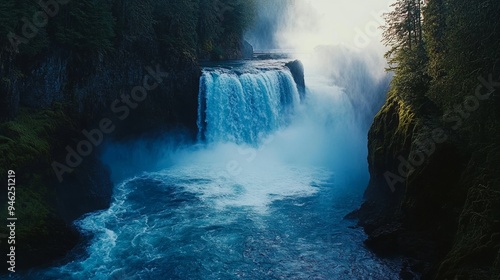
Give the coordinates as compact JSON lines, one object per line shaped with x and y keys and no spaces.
{"x":306,"y":24}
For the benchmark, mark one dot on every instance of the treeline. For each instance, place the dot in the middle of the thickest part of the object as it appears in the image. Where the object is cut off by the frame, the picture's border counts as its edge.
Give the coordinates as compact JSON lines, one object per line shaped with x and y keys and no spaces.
{"x":446,"y":58}
{"x":442,"y":52}
{"x":202,"y":27}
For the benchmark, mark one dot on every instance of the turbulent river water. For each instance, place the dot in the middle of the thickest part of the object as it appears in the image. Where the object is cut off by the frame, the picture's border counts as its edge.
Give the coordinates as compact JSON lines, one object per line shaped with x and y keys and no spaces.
{"x":262,"y":195}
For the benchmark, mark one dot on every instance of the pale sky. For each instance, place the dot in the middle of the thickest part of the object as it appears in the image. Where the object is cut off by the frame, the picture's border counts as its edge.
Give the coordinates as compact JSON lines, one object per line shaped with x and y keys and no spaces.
{"x":330,"y":22}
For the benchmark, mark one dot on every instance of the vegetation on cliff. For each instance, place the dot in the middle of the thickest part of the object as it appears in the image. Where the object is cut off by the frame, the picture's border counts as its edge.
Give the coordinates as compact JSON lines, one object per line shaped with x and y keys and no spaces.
{"x":433,"y":148}
{"x":26,"y":146}
{"x":196,"y":26}
{"x":63,"y":62}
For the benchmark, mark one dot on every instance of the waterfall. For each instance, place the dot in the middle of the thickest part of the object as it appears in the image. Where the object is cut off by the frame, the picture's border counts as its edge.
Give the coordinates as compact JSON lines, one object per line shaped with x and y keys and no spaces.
{"x":244,"y":107}
{"x":278,"y":176}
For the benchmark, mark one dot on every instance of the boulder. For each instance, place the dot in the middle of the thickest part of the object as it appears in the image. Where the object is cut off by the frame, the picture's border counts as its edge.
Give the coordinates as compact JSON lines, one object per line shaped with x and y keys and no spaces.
{"x":297,"y":69}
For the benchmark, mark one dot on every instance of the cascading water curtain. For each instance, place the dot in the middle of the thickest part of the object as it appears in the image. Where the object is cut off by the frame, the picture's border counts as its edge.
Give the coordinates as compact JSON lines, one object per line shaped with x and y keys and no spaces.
{"x":243,"y":108}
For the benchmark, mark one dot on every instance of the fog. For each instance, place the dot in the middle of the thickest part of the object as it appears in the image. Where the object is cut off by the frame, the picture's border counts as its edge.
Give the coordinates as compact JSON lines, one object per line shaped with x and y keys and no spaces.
{"x":302,"y":25}
{"x":326,"y":138}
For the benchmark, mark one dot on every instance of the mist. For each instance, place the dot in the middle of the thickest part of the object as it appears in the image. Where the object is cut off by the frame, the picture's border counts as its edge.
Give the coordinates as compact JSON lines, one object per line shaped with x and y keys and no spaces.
{"x":302,"y":25}
{"x":263,"y":191}
{"x":323,"y":141}
{"x":338,"y":40}
{"x":327,"y":133}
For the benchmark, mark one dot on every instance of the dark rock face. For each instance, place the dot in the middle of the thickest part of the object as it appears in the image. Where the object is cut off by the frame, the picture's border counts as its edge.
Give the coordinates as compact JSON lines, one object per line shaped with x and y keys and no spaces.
{"x":9,"y":99}
{"x":90,"y":86}
{"x":421,"y":196}
{"x":46,"y":248}
{"x":233,"y":48}
{"x":86,"y":189}
{"x":86,"y":88}
{"x":247,"y":50}
{"x":44,"y":85}
{"x":297,"y":69}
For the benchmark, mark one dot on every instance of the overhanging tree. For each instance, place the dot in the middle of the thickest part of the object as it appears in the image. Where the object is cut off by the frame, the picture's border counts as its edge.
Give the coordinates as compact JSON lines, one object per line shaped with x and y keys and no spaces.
{"x":403,"y":29}
{"x":403,"y":34}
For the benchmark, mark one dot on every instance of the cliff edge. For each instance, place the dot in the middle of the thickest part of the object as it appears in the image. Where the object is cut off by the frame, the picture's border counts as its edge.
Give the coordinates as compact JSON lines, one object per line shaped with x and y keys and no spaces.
{"x":430,"y":197}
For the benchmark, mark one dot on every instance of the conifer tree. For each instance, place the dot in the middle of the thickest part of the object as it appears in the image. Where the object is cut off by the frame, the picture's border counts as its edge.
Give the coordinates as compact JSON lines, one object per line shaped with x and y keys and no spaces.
{"x":403,"y":29}
{"x":88,"y":25}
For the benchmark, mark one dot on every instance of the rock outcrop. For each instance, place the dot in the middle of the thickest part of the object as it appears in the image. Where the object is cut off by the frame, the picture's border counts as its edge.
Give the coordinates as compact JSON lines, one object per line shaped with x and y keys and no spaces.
{"x":425,"y":199}
{"x":77,"y":93}
{"x":297,"y":69}
{"x":247,"y":50}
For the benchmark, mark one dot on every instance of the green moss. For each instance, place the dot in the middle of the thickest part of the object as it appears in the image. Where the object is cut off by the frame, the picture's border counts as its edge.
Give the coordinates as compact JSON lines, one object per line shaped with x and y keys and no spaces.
{"x":392,"y":131}
{"x":28,"y":138}
{"x":92,"y":26}
{"x":26,"y":146}
{"x":477,"y":241}
{"x":31,"y":211}
{"x":473,"y":255}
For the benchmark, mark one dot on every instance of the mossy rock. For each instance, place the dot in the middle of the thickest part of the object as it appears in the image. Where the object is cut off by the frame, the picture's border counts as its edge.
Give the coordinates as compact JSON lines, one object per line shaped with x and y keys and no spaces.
{"x":29,"y":139}
{"x":26,"y":146}
{"x":477,"y":242}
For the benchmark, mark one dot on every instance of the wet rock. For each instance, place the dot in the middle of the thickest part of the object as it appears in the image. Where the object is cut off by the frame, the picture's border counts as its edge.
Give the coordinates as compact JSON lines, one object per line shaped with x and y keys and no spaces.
{"x":297,"y":69}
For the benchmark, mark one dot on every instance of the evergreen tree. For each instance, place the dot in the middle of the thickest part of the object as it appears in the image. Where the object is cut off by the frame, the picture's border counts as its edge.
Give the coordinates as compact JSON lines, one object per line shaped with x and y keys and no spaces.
{"x":403,"y":29}
{"x":222,"y":23}
{"x":238,"y":15}
{"x":88,"y":25}
{"x":177,"y":22}
{"x":8,"y":20}
{"x":186,"y":26}
{"x":16,"y":17}
{"x":473,"y":38}
{"x":134,"y":19}
{"x":403,"y":34}
{"x":211,"y":15}
{"x":434,"y":33}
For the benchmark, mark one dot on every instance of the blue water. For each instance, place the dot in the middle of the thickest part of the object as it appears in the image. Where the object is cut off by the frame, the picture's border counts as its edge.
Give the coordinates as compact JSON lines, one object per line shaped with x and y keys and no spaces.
{"x":261,"y":196}
{"x":244,"y":107}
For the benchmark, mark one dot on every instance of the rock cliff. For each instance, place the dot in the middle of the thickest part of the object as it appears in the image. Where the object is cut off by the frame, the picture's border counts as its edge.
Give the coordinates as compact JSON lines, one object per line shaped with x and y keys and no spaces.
{"x":426,"y":198}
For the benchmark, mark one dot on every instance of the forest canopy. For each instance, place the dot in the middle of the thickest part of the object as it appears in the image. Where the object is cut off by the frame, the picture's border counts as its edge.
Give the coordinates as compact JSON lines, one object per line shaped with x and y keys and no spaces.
{"x":445,"y":57}
{"x":440,"y":48}
{"x":200,"y":27}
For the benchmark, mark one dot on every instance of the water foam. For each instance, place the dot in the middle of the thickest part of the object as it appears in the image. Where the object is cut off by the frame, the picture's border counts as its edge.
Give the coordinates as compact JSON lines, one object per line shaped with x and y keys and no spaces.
{"x":244,"y":107}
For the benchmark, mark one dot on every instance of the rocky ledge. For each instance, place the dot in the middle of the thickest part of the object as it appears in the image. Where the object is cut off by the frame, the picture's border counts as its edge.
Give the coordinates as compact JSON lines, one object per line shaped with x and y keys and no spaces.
{"x":430,"y":198}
